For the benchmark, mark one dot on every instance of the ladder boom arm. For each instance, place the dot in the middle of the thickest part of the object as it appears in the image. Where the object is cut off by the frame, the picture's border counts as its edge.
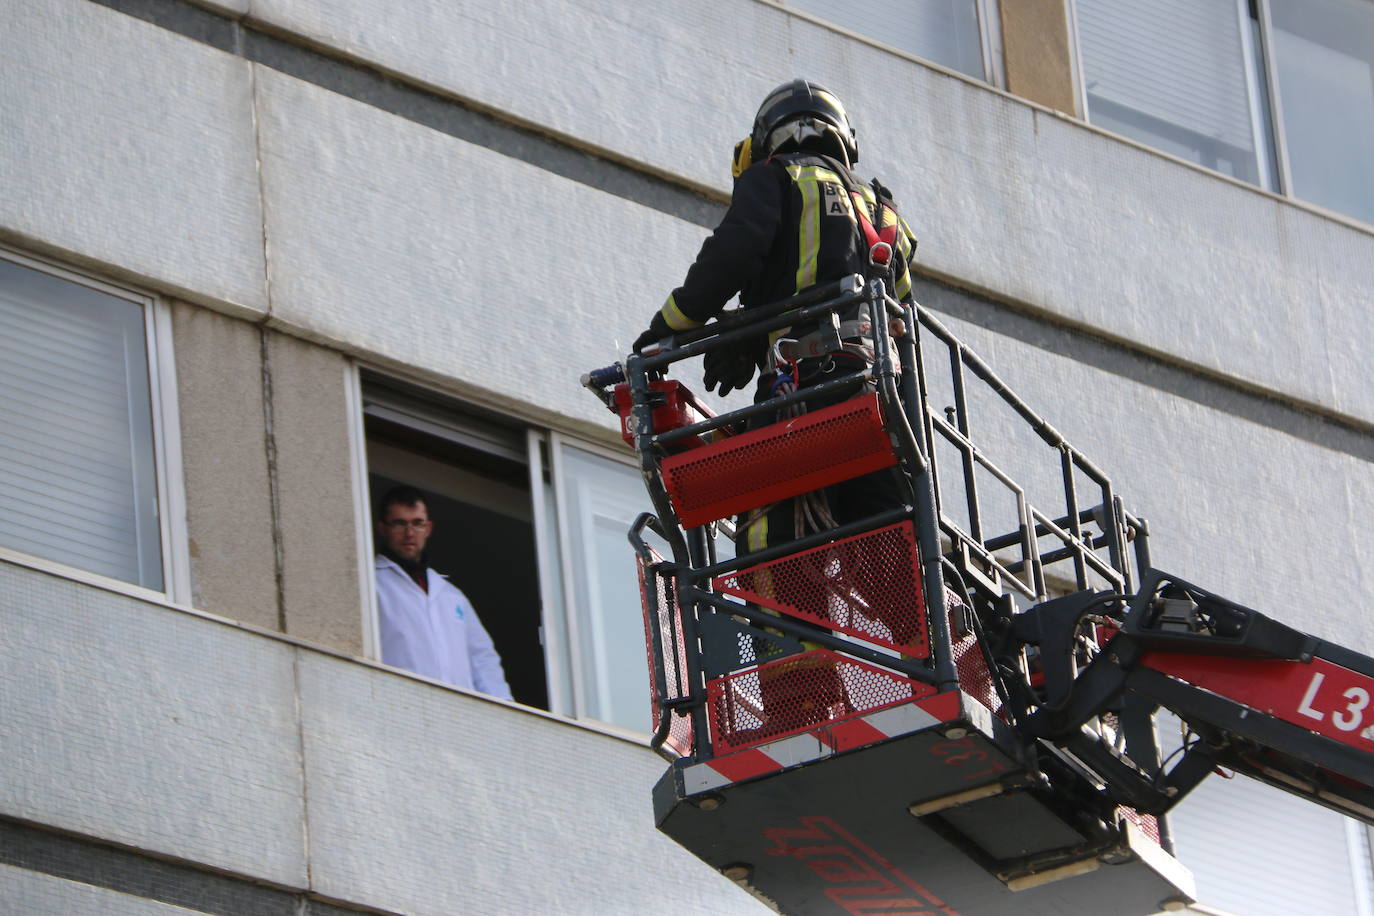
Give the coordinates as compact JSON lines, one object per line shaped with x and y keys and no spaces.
{"x":1257,"y":697}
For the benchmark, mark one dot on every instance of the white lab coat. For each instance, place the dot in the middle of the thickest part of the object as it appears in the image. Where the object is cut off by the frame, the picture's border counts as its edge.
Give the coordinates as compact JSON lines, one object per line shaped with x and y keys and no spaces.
{"x":436,"y":634}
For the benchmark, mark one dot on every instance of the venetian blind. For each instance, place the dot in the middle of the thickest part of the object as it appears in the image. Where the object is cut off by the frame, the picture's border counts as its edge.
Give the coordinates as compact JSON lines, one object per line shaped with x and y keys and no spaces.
{"x":77,"y":478}
{"x":1176,"y":61}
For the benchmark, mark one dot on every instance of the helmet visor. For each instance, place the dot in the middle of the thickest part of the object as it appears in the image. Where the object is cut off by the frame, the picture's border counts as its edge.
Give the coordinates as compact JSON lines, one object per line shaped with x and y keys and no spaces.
{"x":801,"y":102}
{"x":799,"y":131}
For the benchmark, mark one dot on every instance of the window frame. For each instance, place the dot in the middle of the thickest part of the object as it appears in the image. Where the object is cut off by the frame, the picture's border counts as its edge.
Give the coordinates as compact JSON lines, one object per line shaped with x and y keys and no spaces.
{"x":362,"y":531}
{"x":1278,"y":130}
{"x":1271,"y":147}
{"x":567,"y":691}
{"x":1188,"y":137}
{"x":560,"y":634}
{"x":567,"y":679}
{"x":987,"y":13}
{"x":1268,"y":132}
{"x":994,"y":51}
{"x":168,"y":473}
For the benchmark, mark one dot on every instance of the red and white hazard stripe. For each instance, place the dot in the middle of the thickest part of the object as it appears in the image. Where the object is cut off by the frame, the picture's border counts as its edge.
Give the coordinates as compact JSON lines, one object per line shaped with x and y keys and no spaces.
{"x":823,"y":741}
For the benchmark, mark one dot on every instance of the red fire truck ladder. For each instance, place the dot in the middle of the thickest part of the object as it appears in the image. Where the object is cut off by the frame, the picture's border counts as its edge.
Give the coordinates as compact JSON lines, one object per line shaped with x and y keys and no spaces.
{"x":893,"y":715}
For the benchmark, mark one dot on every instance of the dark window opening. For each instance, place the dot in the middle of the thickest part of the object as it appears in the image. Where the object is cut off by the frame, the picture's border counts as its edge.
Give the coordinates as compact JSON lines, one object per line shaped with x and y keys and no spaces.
{"x":474,"y":469}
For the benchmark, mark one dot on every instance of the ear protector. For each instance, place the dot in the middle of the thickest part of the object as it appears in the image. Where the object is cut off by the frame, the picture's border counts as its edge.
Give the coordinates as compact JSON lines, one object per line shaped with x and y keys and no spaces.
{"x":744,"y":156}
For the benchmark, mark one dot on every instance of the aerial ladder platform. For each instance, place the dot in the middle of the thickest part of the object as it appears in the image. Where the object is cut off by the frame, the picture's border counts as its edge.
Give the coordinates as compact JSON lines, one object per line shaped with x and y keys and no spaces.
{"x":947,"y":707}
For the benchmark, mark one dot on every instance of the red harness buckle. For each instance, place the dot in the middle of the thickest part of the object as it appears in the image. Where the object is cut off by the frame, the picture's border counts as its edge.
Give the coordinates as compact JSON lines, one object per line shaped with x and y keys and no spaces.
{"x":880,"y":242}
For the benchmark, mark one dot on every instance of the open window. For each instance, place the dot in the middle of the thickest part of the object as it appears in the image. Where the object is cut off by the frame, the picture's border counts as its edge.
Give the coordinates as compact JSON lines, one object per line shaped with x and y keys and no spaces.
{"x":531,"y":525}
{"x":474,"y":470}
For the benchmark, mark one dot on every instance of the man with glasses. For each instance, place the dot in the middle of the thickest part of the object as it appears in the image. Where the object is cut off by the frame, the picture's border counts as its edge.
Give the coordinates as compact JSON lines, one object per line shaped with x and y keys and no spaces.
{"x":428,"y":626}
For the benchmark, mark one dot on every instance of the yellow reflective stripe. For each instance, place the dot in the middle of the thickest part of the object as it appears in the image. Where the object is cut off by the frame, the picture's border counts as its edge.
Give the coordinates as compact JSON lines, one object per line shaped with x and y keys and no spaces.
{"x":756,"y":536}
{"x":869,"y":197}
{"x":807,"y":180}
{"x":674,"y":317}
{"x":906,"y":249}
{"x":908,"y":234}
{"x":904,"y":245}
{"x":903,"y":281}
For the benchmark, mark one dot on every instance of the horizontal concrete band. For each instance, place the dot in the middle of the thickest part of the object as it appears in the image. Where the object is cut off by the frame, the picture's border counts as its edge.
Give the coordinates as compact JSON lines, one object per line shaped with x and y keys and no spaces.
{"x":466,"y":122}
{"x":442,"y":113}
{"x":128,"y":871}
{"x":1210,"y":391}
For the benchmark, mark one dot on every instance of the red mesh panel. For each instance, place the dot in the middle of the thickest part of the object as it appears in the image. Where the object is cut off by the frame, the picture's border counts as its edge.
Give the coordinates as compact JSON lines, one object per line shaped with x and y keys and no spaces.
{"x":673,"y":653}
{"x":868,"y":586}
{"x":975,"y":679}
{"x":799,"y":693}
{"x":779,"y":461}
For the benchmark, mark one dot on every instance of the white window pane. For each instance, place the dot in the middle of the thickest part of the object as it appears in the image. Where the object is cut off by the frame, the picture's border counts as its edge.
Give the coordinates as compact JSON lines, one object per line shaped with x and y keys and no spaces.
{"x":77,"y":472}
{"x":1172,"y":74}
{"x":600,"y":499}
{"x":1324,"y":57}
{"x":943,"y":31}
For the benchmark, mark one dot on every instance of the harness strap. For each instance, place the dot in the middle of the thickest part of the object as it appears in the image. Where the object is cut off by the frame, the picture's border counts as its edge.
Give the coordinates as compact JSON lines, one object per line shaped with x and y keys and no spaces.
{"x":880,"y":241}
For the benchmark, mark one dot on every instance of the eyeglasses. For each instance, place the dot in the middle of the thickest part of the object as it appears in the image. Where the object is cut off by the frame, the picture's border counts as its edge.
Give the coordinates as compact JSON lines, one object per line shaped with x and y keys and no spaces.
{"x":400,"y":524}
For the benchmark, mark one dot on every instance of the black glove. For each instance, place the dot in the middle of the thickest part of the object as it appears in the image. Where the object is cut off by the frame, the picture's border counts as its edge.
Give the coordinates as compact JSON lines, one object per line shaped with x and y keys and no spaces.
{"x":643,"y":340}
{"x":658,"y":330}
{"x":730,"y":367}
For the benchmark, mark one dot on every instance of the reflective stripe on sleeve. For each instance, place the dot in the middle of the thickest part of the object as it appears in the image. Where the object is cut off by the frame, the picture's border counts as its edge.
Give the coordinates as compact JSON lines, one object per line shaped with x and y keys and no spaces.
{"x":675,"y":318}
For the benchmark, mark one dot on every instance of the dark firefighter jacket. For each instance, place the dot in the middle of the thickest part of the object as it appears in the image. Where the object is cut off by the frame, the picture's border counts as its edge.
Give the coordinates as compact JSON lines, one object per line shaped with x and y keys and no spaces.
{"x":790,"y":226}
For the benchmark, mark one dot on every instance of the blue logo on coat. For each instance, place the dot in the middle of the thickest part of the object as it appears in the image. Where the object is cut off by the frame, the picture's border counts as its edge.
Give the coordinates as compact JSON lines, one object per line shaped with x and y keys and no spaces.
{"x":458,"y":609}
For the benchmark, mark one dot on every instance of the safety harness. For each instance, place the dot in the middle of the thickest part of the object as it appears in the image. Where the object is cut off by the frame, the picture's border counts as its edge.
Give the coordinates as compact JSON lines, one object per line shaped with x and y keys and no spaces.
{"x":881,"y":242}
{"x":855,"y":335}
{"x":852,"y":338}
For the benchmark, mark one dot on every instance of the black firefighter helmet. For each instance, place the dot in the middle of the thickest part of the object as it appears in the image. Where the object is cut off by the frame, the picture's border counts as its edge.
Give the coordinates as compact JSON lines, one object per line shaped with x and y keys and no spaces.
{"x":798,"y":112}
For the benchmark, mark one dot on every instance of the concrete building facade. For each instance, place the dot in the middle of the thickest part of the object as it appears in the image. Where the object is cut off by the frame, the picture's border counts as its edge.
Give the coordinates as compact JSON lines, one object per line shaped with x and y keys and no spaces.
{"x":347,"y":244}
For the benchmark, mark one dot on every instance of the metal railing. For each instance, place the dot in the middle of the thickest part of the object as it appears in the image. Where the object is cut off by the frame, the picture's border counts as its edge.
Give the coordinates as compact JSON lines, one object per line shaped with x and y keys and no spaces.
{"x":1067,"y":544}
{"x":1014,"y":560}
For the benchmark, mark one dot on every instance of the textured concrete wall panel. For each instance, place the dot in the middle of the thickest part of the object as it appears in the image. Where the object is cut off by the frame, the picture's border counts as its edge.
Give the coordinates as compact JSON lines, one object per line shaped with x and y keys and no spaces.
{"x":167,"y":732}
{"x":579,"y":68}
{"x":130,"y":146}
{"x":1104,"y":235}
{"x":320,"y":587}
{"x":428,"y":801}
{"x":224,"y":459}
{"x":149,"y":728}
{"x":402,"y":242}
{"x":1026,"y":205}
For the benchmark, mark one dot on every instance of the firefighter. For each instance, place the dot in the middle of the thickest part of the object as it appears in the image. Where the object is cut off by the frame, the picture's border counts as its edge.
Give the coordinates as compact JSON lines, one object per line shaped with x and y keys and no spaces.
{"x":797,"y":218}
